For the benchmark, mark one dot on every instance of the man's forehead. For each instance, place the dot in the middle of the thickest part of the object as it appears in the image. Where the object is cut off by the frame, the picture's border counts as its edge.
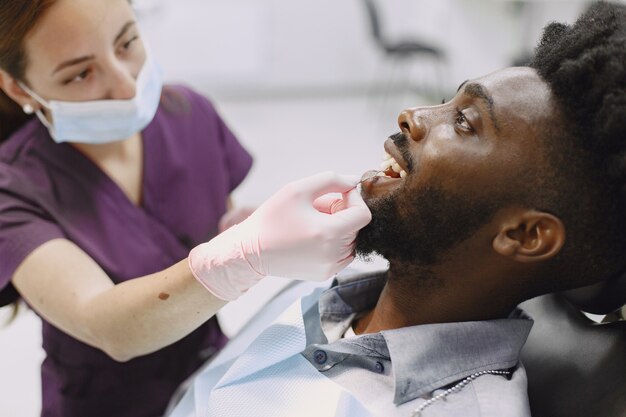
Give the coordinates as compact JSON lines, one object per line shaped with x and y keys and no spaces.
{"x":516,"y":92}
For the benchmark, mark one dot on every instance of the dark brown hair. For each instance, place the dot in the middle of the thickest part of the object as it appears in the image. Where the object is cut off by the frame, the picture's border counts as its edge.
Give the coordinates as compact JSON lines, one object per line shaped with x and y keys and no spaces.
{"x":17,"y":19}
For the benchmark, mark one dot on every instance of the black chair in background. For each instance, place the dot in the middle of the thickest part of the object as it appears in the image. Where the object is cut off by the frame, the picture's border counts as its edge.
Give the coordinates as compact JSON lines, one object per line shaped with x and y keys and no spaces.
{"x":407,"y":51}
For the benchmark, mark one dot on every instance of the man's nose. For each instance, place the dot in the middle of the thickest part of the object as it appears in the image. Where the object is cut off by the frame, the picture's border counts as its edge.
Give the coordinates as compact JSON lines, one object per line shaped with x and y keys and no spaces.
{"x":412,"y":124}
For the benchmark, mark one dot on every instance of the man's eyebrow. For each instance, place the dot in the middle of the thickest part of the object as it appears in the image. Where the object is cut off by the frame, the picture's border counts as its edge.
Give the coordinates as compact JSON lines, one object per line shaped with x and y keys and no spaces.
{"x":478,"y":91}
{"x":80,"y":60}
{"x":461,"y":86}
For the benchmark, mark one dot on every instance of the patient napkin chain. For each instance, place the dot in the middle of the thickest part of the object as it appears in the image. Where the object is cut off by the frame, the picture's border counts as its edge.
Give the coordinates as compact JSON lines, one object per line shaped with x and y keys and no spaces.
{"x":418,"y":411}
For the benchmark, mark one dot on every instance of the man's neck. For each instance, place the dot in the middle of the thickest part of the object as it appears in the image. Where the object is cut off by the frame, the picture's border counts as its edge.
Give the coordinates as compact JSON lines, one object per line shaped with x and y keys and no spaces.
{"x":414,"y":296}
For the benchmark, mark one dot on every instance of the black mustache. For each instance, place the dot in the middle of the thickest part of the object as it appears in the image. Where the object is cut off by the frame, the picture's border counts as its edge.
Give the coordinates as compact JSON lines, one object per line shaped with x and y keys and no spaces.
{"x":399,"y":139}
{"x":402,"y":143}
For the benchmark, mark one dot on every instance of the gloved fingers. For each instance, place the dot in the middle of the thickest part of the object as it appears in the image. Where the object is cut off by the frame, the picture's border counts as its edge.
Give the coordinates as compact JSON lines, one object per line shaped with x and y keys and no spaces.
{"x":324,"y":183}
{"x":332,"y":268}
{"x":328,"y":204}
{"x":344,"y":263}
{"x":355,"y":216}
{"x":353,"y":198}
{"x":348,"y":252}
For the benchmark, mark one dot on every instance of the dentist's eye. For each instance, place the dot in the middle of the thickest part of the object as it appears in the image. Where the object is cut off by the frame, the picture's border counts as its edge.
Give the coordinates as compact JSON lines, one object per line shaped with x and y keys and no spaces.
{"x":79,"y":77}
{"x":128,"y":44}
{"x":462,"y":122}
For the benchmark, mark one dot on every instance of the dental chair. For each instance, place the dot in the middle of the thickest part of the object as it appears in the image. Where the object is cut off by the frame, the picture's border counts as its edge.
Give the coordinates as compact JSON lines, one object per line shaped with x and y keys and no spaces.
{"x":575,"y":366}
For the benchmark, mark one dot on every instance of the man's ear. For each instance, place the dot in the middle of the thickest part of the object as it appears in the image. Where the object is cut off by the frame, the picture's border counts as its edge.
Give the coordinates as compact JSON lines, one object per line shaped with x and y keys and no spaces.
{"x":530,"y":236}
{"x":11,"y":88}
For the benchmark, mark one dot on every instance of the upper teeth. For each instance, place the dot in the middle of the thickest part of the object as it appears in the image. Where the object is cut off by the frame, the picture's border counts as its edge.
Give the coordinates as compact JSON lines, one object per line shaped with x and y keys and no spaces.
{"x":389,"y":161}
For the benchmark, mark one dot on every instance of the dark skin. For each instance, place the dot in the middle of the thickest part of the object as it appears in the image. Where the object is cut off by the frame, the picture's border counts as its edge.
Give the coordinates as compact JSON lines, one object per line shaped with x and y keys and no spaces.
{"x":484,"y":139}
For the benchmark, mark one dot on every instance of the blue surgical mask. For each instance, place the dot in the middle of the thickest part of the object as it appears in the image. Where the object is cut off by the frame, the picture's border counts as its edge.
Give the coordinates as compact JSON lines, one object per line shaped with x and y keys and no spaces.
{"x":104,"y":121}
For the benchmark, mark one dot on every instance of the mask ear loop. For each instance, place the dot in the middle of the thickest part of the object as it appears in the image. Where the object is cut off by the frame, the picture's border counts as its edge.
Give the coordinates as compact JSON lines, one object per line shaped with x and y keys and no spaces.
{"x":28,"y":109}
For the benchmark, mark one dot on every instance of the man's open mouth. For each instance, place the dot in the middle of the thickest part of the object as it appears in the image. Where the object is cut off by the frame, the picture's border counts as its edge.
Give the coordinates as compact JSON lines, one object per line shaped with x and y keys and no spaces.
{"x":392,"y":173}
{"x":393,"y":165}
{"x":391,"y":168}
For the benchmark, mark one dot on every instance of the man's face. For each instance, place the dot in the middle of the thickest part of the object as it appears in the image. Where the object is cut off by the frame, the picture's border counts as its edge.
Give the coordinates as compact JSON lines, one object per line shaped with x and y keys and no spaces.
{"x":465,"y":160}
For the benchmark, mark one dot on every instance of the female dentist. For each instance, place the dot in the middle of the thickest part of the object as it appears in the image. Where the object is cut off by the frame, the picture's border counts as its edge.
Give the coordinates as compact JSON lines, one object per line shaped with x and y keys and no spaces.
{"x":109,"y":198}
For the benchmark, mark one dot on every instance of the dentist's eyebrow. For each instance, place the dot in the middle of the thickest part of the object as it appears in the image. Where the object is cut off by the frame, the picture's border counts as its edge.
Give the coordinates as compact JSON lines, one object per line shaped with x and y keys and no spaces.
{"x":476,"y":90}
{"x":72,"y":62}
{"x":80,"y":60}
{"x":123,"y":31}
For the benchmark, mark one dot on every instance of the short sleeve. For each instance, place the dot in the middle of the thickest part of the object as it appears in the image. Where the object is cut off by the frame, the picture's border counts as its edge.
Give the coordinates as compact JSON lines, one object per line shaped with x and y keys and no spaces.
{"x":24,"y":226}
{"x":238,"y":160}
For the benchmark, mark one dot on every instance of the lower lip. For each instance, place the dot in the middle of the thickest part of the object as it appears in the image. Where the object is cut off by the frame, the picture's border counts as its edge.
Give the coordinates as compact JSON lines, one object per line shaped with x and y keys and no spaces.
{"x":378,"y":186}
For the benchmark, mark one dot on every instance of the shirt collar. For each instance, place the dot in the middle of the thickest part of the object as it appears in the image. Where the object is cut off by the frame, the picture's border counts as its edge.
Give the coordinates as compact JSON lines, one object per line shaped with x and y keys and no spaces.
{"x":430,"y":356}
{"x":350,"y":294}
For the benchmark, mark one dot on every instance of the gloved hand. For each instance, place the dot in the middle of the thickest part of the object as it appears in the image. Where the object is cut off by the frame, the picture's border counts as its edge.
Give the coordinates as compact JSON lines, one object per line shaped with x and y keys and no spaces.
{"x":233,"y":217}
{"x":295,"y":234}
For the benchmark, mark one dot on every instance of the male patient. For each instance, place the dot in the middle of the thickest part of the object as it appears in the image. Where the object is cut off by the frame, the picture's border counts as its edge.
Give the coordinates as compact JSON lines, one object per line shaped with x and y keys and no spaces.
{"x":512,"y":189}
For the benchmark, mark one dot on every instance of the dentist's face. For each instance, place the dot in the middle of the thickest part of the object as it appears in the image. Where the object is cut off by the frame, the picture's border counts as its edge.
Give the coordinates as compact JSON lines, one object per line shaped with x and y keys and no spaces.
{"x":85,"y":50}
{"x":464,"y":160}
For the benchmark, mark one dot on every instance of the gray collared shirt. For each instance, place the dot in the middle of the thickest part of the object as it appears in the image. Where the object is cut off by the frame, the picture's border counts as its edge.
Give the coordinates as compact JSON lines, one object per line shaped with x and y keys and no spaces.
{"x":400,"y":370}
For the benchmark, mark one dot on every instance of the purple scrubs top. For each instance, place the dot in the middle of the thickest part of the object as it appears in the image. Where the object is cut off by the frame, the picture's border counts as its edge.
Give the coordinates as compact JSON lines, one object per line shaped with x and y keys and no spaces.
{"x":48,"y":190}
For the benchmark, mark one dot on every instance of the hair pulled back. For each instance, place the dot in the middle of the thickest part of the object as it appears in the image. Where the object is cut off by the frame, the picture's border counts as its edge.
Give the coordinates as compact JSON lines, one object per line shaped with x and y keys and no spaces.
{"x":17,"y":20}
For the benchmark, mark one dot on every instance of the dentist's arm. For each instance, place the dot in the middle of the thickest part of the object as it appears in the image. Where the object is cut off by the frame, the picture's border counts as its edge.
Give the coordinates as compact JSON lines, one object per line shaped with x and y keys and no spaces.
{"x":286,"y":236}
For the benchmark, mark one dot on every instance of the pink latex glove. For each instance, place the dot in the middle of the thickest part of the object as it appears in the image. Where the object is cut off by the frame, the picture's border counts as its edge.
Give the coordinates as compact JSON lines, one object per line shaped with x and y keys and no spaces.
{"x":295,"y":234}
{"x":233,"y":217}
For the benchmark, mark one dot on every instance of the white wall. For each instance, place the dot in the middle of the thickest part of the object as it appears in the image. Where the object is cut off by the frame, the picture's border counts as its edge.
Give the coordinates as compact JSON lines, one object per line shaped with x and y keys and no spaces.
{"x":279,"y":46}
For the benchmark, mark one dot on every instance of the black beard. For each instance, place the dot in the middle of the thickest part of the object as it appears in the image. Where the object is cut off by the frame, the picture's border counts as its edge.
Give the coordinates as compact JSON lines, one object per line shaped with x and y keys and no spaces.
{"x":416,"y":227}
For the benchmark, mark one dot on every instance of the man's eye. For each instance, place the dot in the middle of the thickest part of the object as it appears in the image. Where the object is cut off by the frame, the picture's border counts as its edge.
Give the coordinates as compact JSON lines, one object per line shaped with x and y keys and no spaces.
{"x":462,"y":122}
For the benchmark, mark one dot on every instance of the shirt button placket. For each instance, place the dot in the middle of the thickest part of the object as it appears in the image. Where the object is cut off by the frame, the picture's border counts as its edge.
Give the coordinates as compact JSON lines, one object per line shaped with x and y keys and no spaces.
{"x":320,"y":357}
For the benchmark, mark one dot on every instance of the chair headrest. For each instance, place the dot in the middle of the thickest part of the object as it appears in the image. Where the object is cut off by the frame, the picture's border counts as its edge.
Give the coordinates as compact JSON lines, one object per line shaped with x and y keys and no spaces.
{"x":575,"y":367}
{"x":602,"y":298}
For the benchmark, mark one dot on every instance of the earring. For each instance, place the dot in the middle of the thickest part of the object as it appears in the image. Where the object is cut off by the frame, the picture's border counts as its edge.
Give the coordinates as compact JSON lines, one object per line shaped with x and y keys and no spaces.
{"x":28,"y":109}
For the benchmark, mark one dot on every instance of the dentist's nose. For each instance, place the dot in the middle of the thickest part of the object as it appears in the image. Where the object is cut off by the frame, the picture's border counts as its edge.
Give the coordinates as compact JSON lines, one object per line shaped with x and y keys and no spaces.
{"x":412,"y":124}
{"x":123,"y":84}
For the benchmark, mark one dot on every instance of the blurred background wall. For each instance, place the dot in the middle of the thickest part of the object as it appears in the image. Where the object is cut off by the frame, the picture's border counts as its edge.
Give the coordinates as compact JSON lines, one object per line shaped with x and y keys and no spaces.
{"x":306,"y":88}
{"x":276,"y":47}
